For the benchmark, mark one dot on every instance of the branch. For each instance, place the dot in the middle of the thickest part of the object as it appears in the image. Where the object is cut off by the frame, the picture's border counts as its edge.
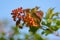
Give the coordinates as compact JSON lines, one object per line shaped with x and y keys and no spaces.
{"x":46,"y":29}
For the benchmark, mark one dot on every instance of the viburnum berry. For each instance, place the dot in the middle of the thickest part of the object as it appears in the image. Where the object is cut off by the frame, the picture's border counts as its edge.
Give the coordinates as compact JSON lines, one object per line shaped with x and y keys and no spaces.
{"x":13,"y":11}
{"x":27,"y":17}
{"x":20,"y":10}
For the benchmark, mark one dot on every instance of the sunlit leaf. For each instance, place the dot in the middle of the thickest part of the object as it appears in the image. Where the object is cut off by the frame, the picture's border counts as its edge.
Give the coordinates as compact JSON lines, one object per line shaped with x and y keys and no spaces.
{"x":50,"y":13}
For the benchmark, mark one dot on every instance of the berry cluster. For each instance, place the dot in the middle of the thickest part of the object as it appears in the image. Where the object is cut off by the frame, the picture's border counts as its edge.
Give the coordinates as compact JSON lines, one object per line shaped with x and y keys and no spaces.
{"x":29,"y":20}
{"x":29,"y":16}
{"x":16,"y":13}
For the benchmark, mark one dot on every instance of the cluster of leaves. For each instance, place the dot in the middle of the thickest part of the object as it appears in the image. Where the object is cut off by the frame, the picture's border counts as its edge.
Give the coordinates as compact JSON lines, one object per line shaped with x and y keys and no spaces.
{"x":51,"y":21}
{"x":33,"y":19}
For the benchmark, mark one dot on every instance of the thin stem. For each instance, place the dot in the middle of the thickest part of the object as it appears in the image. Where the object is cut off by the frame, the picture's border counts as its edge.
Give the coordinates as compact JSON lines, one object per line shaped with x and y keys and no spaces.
{"x":46,"y":29}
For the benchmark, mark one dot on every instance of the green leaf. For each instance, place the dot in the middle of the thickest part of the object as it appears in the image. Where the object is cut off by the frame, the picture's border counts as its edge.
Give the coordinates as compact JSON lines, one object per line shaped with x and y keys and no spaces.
{"x":33,"y":29}
{"x":49,"y":21}
{"x":55,"y":28}
{"x":43,"y":23}
{"x":56,"y":14}
{"x":42,"y":32}
{"x":50,"y":13}
{"x":58,"y":22}
{"x":47,"y":32}
{"x":38,"y":37}
{"x":33,"y":10}
{"x":55,"y":20}
{"x":58,"y":26}
{"x":48,"y":24}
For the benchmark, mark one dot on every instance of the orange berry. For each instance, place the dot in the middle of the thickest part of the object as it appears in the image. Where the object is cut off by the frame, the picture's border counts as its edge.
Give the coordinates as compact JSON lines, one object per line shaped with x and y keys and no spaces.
{"x":20,"y":10}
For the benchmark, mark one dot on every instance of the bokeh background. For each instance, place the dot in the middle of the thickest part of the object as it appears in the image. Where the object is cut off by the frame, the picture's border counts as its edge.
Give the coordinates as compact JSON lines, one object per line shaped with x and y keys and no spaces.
{"x":6,"y":6}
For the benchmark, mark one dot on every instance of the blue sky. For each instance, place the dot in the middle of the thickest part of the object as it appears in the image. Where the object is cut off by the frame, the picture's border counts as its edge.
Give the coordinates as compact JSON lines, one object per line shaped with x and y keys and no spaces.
{"x":6,"y":6}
